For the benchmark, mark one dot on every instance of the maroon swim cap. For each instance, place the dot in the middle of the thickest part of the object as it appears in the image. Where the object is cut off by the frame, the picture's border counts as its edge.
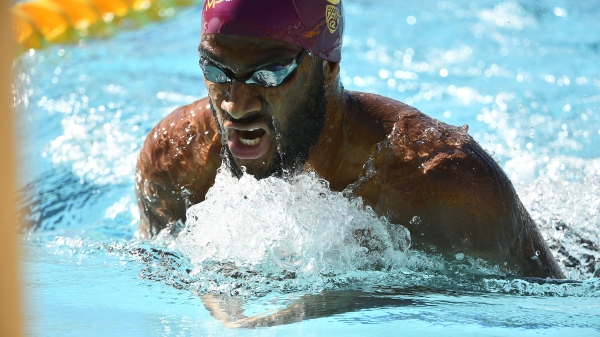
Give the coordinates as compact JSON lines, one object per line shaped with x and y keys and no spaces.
{"x":315,"y":25}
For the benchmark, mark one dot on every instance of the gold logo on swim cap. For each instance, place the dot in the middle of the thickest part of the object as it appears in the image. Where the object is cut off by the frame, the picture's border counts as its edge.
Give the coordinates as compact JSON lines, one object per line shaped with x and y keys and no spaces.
{"x":212,"y":3}
{"x":332,"y":16}
{"x":335,"y":2}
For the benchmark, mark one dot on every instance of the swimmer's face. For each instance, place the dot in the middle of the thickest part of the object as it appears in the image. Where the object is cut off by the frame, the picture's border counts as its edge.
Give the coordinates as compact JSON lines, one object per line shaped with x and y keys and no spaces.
{"x":268,"y":130}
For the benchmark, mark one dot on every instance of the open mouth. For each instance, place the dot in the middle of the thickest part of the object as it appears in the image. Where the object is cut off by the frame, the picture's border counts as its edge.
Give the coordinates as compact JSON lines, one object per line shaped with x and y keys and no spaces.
{"x":252,"y":137}
{"x":248,"y":141}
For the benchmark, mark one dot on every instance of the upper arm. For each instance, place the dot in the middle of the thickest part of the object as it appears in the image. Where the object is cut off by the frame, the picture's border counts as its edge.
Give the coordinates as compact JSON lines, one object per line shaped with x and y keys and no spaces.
{"x":463,"y":200}
{"x":453,"y":193}
{"x":176,"y":166}
{"x":158,"y":199}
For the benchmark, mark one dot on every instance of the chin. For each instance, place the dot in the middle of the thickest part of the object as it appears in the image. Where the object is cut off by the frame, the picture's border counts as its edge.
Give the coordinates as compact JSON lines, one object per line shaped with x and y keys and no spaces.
{"x":259,"y":168}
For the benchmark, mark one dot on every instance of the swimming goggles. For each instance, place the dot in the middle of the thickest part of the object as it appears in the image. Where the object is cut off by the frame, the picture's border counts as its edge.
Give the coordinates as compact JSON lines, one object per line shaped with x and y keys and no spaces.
{"x":271,"y":76}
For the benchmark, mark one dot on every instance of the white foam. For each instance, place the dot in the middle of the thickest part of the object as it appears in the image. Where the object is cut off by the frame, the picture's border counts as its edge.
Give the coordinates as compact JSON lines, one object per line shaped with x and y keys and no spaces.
{"x":564,"y":203}
{"x":105,"y":154}
{"x":295,"y":225}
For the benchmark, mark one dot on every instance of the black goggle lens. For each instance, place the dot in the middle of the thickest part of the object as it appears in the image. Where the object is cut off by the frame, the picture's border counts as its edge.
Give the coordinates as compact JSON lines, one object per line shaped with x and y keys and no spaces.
{"x":265,"y":78}
{"x":214,"y":74}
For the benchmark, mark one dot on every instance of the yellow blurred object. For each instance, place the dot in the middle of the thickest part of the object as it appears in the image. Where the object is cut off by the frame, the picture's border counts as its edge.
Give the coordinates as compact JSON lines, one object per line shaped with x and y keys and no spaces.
{"x":114,"y":7}
{"x":38,"y":23}
{"x":47,"y":18}
{"x":81,"y":13}
{"x":10,"y":304}
{"x":140,"y":5}
{"x":26,"y":35}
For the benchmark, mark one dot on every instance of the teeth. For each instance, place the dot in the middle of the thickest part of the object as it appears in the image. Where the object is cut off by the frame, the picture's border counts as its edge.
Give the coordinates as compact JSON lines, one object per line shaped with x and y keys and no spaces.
{"x":253,"y":129}
{"x":251,"y":142}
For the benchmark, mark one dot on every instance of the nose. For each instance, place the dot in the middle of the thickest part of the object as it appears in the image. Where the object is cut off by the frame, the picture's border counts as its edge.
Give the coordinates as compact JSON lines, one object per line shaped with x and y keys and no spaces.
{"x":241,"y":100}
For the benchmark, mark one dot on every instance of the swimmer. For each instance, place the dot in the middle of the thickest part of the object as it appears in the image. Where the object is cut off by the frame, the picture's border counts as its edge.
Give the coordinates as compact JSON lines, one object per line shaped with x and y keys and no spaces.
{"x":276,"y":106}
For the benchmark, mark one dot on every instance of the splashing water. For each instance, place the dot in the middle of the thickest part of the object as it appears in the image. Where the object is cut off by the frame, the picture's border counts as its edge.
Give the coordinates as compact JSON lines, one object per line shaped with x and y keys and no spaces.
{"x":272,"y":225}
{"x":255,"y":237}
{"x":567,"y":213}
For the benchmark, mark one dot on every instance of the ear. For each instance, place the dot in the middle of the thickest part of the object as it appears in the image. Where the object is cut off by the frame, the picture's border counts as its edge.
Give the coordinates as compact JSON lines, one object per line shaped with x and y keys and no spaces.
{"x":331,"y":71}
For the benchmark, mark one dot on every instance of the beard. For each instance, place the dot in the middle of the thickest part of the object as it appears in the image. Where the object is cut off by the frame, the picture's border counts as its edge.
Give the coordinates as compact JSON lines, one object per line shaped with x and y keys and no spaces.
{"x":294,"y":135}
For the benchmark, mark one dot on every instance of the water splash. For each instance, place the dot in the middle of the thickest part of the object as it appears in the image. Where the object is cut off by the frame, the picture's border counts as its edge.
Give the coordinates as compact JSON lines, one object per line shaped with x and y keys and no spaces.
{"x":255,"y":237}
{"x":566,"y":208}
{"x":289,"y":225}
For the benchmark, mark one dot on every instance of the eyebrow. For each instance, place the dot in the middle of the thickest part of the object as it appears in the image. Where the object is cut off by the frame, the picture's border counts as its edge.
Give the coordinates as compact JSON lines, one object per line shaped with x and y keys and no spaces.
{"x":257,"y":65}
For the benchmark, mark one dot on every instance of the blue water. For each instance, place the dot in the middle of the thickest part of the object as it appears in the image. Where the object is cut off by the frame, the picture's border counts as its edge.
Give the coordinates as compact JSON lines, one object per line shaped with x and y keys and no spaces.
{"x":525,"y":77}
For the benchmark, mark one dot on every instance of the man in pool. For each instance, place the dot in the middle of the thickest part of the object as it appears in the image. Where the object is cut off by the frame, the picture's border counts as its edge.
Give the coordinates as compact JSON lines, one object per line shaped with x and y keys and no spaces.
{"x":276,"y":106}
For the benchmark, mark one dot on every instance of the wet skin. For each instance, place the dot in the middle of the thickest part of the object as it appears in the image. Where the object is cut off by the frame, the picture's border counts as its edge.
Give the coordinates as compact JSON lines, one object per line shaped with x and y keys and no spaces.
{"x":400,"y":161}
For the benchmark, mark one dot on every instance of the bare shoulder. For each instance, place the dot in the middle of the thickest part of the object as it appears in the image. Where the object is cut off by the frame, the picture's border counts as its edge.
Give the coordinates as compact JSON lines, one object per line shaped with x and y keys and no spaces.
{"x":437,"y":181}
{"x":170,"y":142}
{"x":423,"y":160}
{"x":414,"y":138}
{"x":176,"y":166}
{"x":448,"y":176}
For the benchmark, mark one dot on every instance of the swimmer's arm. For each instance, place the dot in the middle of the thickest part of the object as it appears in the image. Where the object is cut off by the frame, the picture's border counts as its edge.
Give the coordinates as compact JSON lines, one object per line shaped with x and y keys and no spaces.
{"x":478,"y":204}
{"x":229,"y":309}
{"x":159,"y":202}
{"x":464,"y":203}
{"x":176,"y":167}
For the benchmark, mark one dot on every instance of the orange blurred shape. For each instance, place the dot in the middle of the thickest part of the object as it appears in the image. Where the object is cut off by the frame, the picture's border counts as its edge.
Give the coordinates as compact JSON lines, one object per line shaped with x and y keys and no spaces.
{"x":27,"y":36}
{"x":115,"y":7}
{"x":46,"y":17}
{"x":80,"y":13}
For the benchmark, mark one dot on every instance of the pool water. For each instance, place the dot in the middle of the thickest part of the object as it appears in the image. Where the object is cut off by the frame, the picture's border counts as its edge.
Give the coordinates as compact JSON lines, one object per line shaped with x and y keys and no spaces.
{"x":525,"y":77}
